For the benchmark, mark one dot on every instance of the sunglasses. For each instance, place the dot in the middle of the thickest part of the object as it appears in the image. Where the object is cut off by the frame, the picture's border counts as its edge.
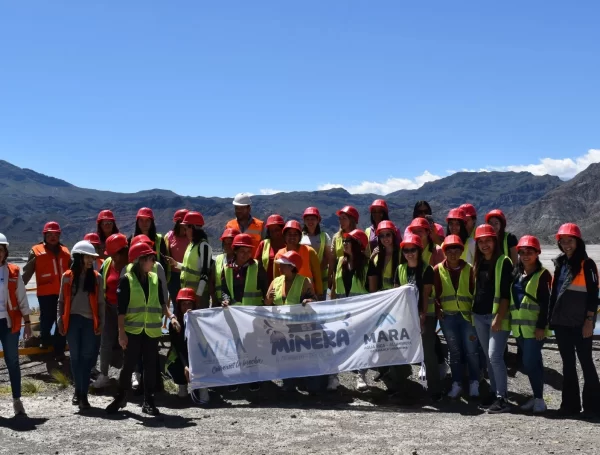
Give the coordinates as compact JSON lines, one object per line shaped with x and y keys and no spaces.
{"x":409,"y":250}
{"x":385,"y":235}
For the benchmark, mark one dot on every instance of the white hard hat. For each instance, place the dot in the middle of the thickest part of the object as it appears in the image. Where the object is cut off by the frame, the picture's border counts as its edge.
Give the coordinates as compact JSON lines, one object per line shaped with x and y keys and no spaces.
{"x":84,"y":247}
{"x":3,"y":240}
{"x":242,"y":199}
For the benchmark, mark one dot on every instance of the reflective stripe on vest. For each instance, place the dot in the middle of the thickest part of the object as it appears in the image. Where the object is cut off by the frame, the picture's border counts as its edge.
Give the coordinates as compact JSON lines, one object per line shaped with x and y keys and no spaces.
{"x":265,"y":253}
{"x":143,"y":315}
{"x":67,"y":282}
{"x":403,"y":279}
{"x":190,"y":275}
{"x":12,"y":304}
{"x":524,"y":320}
{"x":252,"y":295}
{"x":498,"y":278}
{"x":219,"y":264}
{"x":49,"y":268}
{"x":357,"y":288}
{"x":457,"y":300}
{"x":294,"y":294}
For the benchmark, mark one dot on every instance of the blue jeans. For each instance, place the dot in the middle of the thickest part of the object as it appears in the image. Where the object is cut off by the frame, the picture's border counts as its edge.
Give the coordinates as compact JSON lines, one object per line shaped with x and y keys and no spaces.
{"x":83,"y":344}
{"x":10,"y":345}
{"x":533,"y":364}
{"x":493,"y":344}
{"x":462,"y":345}
{"x":48,"y":310}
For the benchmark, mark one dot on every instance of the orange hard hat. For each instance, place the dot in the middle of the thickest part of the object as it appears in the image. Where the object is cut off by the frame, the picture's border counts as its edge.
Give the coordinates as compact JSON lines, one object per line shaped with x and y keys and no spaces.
{"x":350,"y":211}
{"x":229,"y":233}
{"x":290,"y":258}
{"x":180,"y":215}
{"x":379,"y":203}
{"x":469,"y":210}
{"x":193,"y":219}
{"x":484,"y":230}
{"x":411,"y":239}
{"x":142,"y":238}
{"x":52,"y":226}
{"x":292,"y":224}
{"x":93,"y":238}
{"x":312,"y":211}
{"x":186,"y":294}
{"x":105,"y":215}
{"x":569,"y":229}
{"x":115,"y":243}
{"x":275,"y":220}
{"x":359,"y":236}
{"x":145,"y":212}
{"x":456,"y":214}
{"x":386,"y":224}
{"x":419,"y":223}
{"x":529,"y":241}
{"x":243,"y":240}
{"x":495,"y":213}
{"x":138,"y":250}
{"x":452,"y":240}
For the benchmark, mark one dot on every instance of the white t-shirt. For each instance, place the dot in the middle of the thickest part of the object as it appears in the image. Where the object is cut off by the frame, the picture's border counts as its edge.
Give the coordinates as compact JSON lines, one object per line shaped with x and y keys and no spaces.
{"x":471,"y":252}
{"x":315,"y":241}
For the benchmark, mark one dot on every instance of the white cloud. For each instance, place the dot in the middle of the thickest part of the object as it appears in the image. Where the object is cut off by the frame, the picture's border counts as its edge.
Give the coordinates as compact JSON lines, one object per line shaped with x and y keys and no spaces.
{"x":389,"y":186}
{"x":269,"y":191}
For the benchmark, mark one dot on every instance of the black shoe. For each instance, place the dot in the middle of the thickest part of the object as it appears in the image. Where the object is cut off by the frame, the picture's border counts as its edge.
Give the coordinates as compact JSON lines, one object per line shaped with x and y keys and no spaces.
{"x":84,"y":404}
{"x":487,"y":401}
{"x":119,"y":402}
{"x":254,"y":387}
{"x":149,"y":408}
{"x":232,"y":388}
{"x":499,"y":406}
{"x":75,"y":399}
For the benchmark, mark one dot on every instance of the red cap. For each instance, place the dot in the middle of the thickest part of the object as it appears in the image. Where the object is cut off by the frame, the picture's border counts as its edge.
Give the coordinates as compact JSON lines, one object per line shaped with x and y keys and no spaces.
{"x":292,"y":224}
{"x":411,"y":239}
{"x":105,"y":215}
{"x":529,"y":241}
{"x":440,"y":230}
{"x":51,"y":226}
{"x":229,"y":233}
{"x":469,"y":210}
{"x":350,"y":211}
{"x":419,"y":223}
{"x":115,"y":243}
{"x":193,"y":219}
{"x":569,"y":229}
{"x":385,"y":224}
{"x":379,"y":203}
{"x":275,"y":220}
{"x":290,"y":258}
{"x":186,"y":294}
{"x":484,"y":230}
{"x":312,"y":211}
{"x":138,"y":250}
{"x":495,"y":213}
{"x":180,"y":215}
{"x":456,"y":214}
{"x":145,"y":212}
{"x":452,"y":240}
{"x":93,"y":238}
{"x":360,"y":236}
{"x":142,"y":238}
{"x":243,"y":240}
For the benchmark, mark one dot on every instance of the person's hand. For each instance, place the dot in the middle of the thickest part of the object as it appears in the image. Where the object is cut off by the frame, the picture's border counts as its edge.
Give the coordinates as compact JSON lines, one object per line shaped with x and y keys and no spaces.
{"x":176,"y":325}
{"x":123,"y":340}
{"x":305,"y":301}
{"x":98,"y":331}
{"x":186,"y":371}
{"x":496,"y":324}
{"x":271,"y":294}
{"x":61,"y":327}
{"x":172,"y":262}
{"x":225,"y":303}
{"x":540,"y":334}
{"x":423,"y":318}
{"x":27,"y":331}
{"x":588,"y":329}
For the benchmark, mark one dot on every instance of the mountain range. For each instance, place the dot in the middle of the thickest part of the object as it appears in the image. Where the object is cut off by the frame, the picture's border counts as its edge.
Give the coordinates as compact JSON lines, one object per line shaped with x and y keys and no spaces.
{"x":533,"y":204}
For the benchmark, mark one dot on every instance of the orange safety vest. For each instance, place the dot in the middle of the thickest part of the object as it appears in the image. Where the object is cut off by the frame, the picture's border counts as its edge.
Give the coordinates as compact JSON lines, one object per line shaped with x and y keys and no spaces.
{"x":14,"y":312}
{"x":68,"y":294}
{"x":303,"y":251}
{"x":99,"y":262}
{"x":254,"y":230}
{"x":49,"y":268}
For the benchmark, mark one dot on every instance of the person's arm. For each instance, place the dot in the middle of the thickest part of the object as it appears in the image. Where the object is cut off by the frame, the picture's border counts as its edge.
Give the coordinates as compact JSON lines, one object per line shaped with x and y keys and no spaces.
{"x":372,"y":276}
{"x":315,"y":268}
{"x":29,"y":268}
{"x":163,"y":254}
{"x":270,"y":297}
{"x":101,"y":304}
{"x":22,"y":300}
{"x":513,"y":255}
{"x":591,"y":279}
{"x":333,"y":293}
{"x":123,"y":294}
{"x":203,"y":266}
{"x":543,"y":299}
{"x":162,"y":279}
{"x":308,"y":293}
{"x":61,"y":305}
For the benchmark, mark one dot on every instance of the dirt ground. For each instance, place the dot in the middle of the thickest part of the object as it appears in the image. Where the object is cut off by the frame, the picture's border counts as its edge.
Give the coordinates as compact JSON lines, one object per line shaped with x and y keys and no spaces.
{"x":270,"y":421}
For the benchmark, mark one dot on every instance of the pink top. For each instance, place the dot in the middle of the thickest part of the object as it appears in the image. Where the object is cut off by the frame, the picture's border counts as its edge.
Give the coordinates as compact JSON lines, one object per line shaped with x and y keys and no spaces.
{"x":177,"y":247}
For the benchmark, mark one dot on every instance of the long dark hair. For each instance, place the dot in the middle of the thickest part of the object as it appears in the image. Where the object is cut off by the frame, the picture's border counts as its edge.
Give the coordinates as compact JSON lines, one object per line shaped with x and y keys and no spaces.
{"x":317,"y":229}
{"x":137,"y":271}
{"x":419,"y":271}
{"x":386,"y":216}
{"x":579,"y":255}
{"x":151,"y":231}
{"x":6,"y":255}
{"x":520,"y":269}
{"x":358,"y":260}
{"x":479,"y":257}
{"x":177,"y":228}
{"x":419,"y":204}
{"x":89,"y":283}
{"x":381,"y":259}
{"x":115,"y":230}
{"x":464,"y":234}
{"x":198,"y":235}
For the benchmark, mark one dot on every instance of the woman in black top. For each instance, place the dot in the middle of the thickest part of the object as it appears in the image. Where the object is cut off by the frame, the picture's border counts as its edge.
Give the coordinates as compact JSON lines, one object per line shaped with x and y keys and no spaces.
{"x":506,"y":240}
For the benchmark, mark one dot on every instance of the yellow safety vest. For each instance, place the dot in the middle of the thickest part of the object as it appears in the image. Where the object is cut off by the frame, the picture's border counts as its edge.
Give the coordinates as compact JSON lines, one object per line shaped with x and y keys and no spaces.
{"x":252,"y":295}
{"x":143,"y":315}
{"x":219,"y":265}
{"x":403,"y":279}
{"x":459,"y":300}
{"x":523,"y":320}
{"x":190,"y":275}
{"x":295,"y":293}
{"x":357,"y":288}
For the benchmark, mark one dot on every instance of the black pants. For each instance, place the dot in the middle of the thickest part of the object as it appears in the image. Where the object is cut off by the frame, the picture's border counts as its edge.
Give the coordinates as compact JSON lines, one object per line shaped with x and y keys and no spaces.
{"x":570,"y":341}
{"x":48,"y":310}
{"x":147,"y":348}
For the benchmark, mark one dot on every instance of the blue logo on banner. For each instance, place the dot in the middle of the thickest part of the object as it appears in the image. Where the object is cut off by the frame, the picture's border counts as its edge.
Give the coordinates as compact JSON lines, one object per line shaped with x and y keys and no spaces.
{"x":385,"y":318}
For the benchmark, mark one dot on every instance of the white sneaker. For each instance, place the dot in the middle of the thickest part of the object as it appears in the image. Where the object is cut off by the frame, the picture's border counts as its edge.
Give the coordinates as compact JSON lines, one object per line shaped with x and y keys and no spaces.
{"x":529,"y":405}
{"x":456,"y":390}
{"x":101,"y":382}
{"x":361,"y":383}
{"x":539,"y":406}
{"x":135,"y":379}
{"x":443,"y":370}
{"x":422,"y":373}
{"x":183,"y":391}
{"x":333,"y":382}
{"x":474,"y":389}
{"x":18,"y":407}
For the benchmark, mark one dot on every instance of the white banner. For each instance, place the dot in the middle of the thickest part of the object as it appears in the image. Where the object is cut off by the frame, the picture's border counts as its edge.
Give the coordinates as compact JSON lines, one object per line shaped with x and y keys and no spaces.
{"x":242,"y":344}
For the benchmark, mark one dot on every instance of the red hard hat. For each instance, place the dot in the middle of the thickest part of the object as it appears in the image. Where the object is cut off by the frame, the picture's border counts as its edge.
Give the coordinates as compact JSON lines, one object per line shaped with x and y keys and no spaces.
{"x":484,"y":230}
{"x":138,"y":250}
{"x":292,"y":224}
{"x":244,"y":240}
{"x":180,"y":215}
{"x":142,"y":238}
{"x":229,"y":233}
{"x":93,"y":238}
{"x":186,"y":294}
{"x":105,"y":215}
{"x":419,"y":223}
{"x":145,"y":212}
{"x":385,"y":224}
{"x":193,"y":218}
{"x":359,"y":235}
{"x":290,"y":258}
{"x":275,"y":220}
{"x":569,"y":229}
{"x":452,"y":240}
{"x":456,"y":214}
{"x":529,"y":241}
{"x":379,"y":203}
{"x":350,"y":211}
{"x":312,"y":211}
{"x":469,"y":210}
{"x":440,"y":230}
{"x":495,"y":213}
{"x":115,"y":243}
{"x":411,"y":239}
{"x":51,"y":226}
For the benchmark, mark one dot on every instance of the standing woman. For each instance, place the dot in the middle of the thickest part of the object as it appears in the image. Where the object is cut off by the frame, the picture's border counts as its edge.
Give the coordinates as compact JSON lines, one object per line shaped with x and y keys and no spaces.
{"x":144,"y":224}
{"x":348,"y":218}
{"x":94,"y":239}
{"x":432,"y":253}
{"x":470,"y":218}
{"x":320,"y":242}
{"x":493,"y":279}
{"x":106,"y":225}
{"x":14,"y":308}
{"x":573,"y":308}
{"x":457,"y":220}
{"x":508,"y":241}
{"x":311,"y":267}
{"x":529,"y":301}
{"x":385,"y":261}
{"x":81,"y":316}
{"x":273,"y":242}
{"x":177,"y":242}
{"x":141,"y":307}
{"x":423,"y":209}
{"x":379,"y":212}
{"x":219,"y":264}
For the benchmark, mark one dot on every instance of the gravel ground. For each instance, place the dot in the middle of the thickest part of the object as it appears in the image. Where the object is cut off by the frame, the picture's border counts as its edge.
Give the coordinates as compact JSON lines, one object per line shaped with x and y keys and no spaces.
{"x":272,"y":422}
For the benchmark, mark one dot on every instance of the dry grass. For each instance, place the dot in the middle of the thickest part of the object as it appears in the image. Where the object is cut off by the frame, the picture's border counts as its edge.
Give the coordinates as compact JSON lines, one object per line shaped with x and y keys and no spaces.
{"x":170,"y":386}
{"x":31,"y":386}
{"x":61,"y":378}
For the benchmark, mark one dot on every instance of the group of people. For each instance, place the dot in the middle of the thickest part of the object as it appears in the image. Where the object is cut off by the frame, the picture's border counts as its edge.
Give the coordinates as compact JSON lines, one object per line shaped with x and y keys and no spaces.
{"x":478,"y":282}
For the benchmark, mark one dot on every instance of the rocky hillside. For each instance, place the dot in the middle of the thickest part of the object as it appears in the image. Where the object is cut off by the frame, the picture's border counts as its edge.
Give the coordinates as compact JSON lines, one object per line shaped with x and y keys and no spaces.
{"x":28,"y":199}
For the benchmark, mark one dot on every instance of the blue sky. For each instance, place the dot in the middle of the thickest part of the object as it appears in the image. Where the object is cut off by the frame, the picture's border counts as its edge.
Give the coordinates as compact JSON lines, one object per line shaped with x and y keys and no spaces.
{"x":216,"y":98}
